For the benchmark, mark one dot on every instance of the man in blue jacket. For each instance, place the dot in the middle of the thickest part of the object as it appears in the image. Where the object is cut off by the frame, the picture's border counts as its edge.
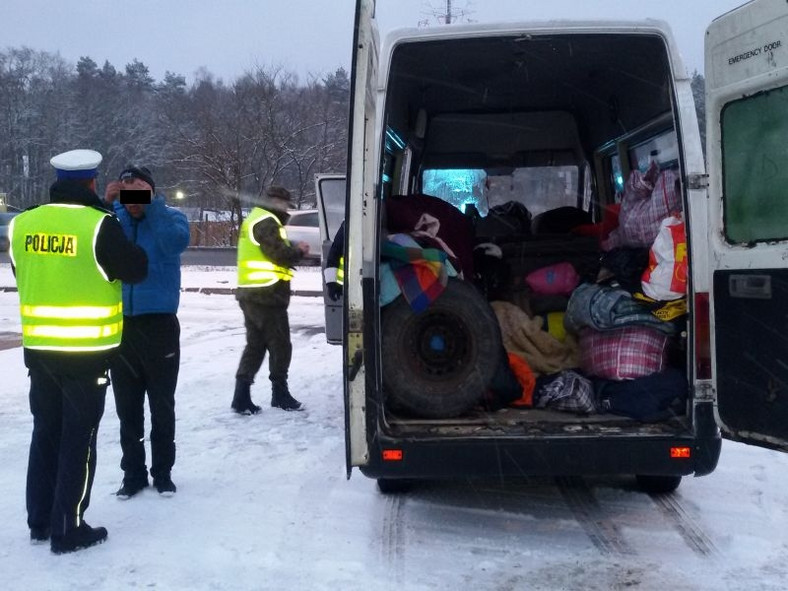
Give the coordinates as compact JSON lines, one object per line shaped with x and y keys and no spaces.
{"x":149,"y":356}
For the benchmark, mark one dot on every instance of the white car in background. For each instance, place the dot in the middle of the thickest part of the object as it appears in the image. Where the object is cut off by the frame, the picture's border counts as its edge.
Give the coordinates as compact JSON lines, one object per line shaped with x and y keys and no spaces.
{"x":303,"y":226}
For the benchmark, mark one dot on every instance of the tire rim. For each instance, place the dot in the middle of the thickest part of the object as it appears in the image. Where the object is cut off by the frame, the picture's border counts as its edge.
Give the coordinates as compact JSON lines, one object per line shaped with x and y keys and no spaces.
{"x":439,"y":345}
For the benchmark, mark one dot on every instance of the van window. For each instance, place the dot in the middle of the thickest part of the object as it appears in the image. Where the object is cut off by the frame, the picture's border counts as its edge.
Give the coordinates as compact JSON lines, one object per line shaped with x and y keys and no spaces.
{"x":306,"y":219}
{"x":663,"y":148}
{"x":755,"y":167}
{"x":539,"y":188}
{"x":458,"y":186}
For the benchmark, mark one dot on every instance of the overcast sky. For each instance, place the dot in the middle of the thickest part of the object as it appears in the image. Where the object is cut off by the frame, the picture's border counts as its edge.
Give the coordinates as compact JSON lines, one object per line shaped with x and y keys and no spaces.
{"x":308,"y":37}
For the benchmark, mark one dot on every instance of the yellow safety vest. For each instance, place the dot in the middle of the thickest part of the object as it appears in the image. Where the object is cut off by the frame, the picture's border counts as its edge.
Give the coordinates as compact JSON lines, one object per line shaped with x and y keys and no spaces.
{"x":341,"y":271}
{"x":67,"y":302}
{"x":254,"y":267}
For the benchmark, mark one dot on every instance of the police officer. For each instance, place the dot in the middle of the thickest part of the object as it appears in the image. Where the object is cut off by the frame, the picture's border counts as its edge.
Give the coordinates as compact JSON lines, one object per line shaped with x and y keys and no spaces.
{"x":69,"y":257}
{"x":334,"y":273}
{"x":265,"y":267}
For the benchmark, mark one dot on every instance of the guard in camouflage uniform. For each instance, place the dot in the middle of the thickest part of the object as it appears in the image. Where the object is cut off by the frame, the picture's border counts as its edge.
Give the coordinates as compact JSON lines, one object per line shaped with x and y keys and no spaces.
{"x":266,"y":259}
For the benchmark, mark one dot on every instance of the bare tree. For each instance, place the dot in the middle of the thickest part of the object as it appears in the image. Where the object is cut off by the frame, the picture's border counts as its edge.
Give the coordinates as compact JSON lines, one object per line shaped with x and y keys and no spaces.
{"x":220,"y":144}
{"x":34,"y":117}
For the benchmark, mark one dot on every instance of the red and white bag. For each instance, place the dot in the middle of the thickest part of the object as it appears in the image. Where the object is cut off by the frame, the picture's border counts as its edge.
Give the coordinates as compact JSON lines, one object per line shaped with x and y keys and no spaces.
{"x":665,"y":278}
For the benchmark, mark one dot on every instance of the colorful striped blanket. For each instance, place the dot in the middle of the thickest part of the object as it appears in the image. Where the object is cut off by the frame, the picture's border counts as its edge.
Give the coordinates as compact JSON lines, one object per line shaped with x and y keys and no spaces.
{"x":421,"y":273}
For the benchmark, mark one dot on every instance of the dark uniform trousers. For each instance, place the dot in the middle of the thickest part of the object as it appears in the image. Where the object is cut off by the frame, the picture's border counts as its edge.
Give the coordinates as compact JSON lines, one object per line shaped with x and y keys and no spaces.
{"x":267,"y":331}
{"x":66,"y":414}
{"x":148,"y":361}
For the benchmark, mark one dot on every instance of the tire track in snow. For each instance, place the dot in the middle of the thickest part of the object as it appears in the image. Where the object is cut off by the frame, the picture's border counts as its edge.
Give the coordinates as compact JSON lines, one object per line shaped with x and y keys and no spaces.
{"x":602,"y":532}
{"x":392,"y":538}
{"x":689,"y":530}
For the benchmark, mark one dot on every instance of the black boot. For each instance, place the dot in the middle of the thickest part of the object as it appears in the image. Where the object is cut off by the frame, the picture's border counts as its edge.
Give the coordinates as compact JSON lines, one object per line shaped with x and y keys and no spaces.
{"x":242,"y":399}
{"x":80,"y":537}
{"x":281,"y":397}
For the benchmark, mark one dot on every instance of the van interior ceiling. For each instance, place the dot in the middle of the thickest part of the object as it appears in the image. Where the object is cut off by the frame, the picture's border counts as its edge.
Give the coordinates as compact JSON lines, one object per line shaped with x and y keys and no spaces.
{"x":611,"y":83}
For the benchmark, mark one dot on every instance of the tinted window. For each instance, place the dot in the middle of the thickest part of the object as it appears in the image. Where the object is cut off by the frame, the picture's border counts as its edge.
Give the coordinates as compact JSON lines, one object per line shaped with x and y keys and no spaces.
{"x":755,"y":167}
{"x":663,"y":148}
{"x":333,"y":191}
{"x":306,"y":219}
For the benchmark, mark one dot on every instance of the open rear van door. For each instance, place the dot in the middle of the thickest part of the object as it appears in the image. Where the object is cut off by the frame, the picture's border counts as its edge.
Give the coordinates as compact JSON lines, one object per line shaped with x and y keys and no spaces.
{"x":747,"y":153}
{"x":331,"y":191}
{"x":360,"y":194}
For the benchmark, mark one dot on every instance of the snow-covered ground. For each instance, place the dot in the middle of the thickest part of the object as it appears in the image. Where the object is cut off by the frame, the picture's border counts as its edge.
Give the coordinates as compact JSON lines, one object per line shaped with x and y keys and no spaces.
{"x":263,"y":502}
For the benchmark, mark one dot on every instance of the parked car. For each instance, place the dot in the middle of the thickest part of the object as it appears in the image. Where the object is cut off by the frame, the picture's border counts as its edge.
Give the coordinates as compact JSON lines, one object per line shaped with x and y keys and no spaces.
{"x":303,"y":226}
{"x":5,"y":219}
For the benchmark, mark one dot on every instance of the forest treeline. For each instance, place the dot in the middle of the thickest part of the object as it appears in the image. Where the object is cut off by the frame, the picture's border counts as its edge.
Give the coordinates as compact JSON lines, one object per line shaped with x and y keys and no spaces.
{"x":217,"y":143}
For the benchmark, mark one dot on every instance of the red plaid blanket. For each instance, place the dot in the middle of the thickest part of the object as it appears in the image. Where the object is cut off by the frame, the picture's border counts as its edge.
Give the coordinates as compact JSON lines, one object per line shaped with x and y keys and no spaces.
{"x":623,"y":353}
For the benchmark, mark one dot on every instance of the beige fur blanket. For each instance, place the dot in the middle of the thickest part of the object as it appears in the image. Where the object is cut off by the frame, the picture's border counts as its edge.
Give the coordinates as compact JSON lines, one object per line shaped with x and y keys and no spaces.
{"x":524,"y":335}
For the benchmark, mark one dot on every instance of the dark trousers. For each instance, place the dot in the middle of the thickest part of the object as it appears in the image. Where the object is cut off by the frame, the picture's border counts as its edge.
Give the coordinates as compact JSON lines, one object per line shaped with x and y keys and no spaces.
{"x":267,"y":331}
{"x":148,"y":362}
{"x":62,"y":464}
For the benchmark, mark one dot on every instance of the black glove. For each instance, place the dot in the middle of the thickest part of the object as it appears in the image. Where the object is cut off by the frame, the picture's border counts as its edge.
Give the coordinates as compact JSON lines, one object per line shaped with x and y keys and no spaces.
{"x":334,"y":290}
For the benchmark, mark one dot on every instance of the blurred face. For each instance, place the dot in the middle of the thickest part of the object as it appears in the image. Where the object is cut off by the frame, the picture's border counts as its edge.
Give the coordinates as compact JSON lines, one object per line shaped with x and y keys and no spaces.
{"x":280,"y":205}
{"x":136,"y":210}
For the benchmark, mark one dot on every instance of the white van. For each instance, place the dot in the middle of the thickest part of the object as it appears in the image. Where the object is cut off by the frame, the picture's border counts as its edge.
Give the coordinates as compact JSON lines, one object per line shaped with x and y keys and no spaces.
{"x":544,"y":123}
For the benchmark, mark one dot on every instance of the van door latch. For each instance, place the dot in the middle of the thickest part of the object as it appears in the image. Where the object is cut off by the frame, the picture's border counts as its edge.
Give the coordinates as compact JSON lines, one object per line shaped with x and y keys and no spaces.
{"x":698,"y":181}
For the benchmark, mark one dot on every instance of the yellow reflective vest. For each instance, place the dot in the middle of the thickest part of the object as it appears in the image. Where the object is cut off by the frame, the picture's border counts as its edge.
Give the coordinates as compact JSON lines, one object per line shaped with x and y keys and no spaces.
{"x":67,"y":302}
{"x":341,"y":271}
{"x":254,"y":267}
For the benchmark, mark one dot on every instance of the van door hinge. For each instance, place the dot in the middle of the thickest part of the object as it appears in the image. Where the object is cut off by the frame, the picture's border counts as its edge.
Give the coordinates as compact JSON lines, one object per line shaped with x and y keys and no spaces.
{"x":355,"y":365}
{"x":698,"y":181}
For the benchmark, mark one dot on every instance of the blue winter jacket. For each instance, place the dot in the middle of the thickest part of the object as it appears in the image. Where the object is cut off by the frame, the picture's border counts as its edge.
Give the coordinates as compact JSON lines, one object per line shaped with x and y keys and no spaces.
{"x":164,"y":234}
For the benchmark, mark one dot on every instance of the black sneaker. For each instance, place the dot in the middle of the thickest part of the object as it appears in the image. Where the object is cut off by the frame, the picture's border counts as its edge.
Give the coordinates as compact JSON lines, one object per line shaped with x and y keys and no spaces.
{"x":129,"y":489}
{"x":80,"y":537}
{"x":165,"y":486}
{"x":39,"y":535}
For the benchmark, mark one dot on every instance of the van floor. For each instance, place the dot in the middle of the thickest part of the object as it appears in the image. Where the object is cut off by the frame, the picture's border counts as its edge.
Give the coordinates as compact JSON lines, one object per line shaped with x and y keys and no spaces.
{"x":532,"y":422}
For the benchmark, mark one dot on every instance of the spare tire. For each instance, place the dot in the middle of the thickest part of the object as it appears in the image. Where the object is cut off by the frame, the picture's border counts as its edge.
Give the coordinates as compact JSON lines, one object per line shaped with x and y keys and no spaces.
{"x":439,"y":362}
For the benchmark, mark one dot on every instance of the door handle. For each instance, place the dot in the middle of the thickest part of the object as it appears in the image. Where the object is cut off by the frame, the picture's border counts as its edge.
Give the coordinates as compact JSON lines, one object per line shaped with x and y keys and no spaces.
{"x":757,"y":287}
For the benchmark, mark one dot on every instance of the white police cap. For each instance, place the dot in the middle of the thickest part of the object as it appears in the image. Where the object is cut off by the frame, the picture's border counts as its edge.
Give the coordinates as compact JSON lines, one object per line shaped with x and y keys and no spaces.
{"x":76,"y":164}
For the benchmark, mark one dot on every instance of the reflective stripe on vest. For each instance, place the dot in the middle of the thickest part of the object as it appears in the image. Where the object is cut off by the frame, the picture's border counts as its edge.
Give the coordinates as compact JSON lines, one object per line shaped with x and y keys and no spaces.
{"x":66,"y":301}
{"x":254,"y":268}
{"x":341,"y":271}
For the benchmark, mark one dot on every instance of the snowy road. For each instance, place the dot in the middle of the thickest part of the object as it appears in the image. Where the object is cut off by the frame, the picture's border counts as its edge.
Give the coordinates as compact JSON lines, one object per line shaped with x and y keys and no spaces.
{"x":263,"y":503}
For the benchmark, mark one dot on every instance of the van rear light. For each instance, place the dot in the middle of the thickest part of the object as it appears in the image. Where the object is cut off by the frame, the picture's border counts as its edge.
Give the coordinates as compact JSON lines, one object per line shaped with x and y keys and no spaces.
{"x":680,"y":453}
{"x":702,"y":332}
{"x":392,"y":455}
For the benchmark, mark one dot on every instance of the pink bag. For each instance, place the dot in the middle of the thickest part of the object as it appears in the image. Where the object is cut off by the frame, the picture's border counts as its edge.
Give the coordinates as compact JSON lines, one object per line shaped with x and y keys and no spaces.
{"x":558,"y":279}
{"x":648,"y":199}
{"x":623,"y":353}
